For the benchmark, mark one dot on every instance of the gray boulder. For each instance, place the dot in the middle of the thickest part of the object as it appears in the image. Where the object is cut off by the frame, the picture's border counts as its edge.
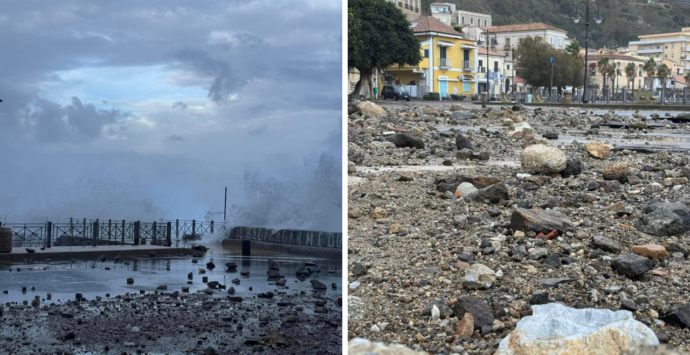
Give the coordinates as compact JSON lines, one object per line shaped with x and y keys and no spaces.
{"x":539,"y":221}
{"x":678,"y":208}
{"x":493,"y":193}
{"x":479,"y":310}
{"x":632,"y":266}
{"x":662,"y":222}
{"x":403,"y":140}
{"x":463,"y":142}
{"x":606,"y":244}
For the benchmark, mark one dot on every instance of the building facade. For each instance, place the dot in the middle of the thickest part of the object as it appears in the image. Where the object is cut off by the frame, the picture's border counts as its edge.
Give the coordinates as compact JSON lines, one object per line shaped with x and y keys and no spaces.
{"x":441,"y":11}
{"x":505,"y":38}
{"x":500,"y":73}
{"x":596,"y":80}
{"x":462,"y":18}
{"x":674,"y":46}
{"x":448,"y":64}
{"x":411,"y":8}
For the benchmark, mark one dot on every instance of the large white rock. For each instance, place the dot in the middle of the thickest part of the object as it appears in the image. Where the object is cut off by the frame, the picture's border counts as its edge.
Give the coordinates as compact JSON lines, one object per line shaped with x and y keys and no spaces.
{"x":539,"y":158}
{"x":555,"y":329}
{"x":359,"y":346}
{"x":466,"y":189}
{"x":371,"y":108}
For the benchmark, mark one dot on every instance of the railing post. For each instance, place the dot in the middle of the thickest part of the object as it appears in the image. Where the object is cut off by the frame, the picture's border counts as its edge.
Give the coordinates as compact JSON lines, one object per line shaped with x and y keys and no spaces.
{"x":95,"y":232}
{"x":49,"y":234}
{"x":685,"y":94}
{"x":168,"y":235}
{"x":177,"y":229}
{"x":625,"y":94}
{"x":136,"y":233}
{"x":193,"y":228}
{"x":211,"y":227}
{"x":110,"y":226}
{"x":71,"y":227}
{"x":123,"y":231}
{"x":153,"y":232}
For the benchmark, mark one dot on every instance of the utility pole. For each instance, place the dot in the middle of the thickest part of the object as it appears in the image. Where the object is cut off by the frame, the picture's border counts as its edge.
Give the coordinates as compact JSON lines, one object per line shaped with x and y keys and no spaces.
{"x":225,"y":208}
{"x":551,"y":87}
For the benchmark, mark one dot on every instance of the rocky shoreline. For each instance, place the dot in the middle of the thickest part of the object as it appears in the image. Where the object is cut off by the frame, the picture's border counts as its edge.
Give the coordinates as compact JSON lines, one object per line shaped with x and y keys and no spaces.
{"x":216,"y":320}
{"x":463,"y":219}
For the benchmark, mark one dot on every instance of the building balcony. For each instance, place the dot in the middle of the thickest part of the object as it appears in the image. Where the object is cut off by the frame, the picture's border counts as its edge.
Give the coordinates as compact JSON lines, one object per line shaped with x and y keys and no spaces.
{"x":647,"y":51}
{"x":445,"y":63}
{"x":654,"y":41}
{"x":416,"y":9}
{"x":407,"y":6}
{"x":468,"y":65}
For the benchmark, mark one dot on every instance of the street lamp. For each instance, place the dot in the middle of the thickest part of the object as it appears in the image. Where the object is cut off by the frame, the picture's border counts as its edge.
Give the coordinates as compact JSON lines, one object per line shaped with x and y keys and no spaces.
{"x":488,"y":70}
{"x":576,"y":18}
{"x":505,"y":88}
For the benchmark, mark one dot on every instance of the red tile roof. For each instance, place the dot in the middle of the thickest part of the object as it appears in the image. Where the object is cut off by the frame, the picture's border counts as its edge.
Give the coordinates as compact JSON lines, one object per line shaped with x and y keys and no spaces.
{"x":522,"y":27}
{"x":482,"y":51}
{"x":679,"y":79}
{"x":432,"y":24}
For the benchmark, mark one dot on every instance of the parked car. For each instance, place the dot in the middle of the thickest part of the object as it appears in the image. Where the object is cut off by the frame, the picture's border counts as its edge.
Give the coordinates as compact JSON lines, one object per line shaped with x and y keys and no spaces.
{"x":395,"y":93}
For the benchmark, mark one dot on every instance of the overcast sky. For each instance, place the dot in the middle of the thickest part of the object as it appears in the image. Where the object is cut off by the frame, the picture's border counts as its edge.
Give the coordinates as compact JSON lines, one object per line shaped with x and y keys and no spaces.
{"x":148,"y":109}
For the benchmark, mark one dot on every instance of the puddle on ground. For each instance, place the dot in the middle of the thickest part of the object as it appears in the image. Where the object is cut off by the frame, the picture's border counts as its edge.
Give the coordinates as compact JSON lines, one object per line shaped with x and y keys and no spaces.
{"x":94,"y":278}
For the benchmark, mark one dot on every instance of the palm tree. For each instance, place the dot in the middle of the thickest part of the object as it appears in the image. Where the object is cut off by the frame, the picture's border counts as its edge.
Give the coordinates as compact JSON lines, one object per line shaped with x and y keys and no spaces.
{"x":603,"y":67}
{"x":631,"y":73}
{"x":662,"y":74}
{"x":650,"y":68}
{"x":573,"y":49}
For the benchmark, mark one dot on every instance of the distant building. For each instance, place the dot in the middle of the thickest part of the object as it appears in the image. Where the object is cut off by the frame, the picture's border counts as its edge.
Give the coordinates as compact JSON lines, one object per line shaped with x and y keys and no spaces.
{"x":461,"y":18}
{"x":449,"y":15}
{"x":501,"y":76}
{"x":442,"y":12}
{"x":621,"y":81}
{"x":674,"y":46}
{"x":411,"y":8}
{"x":510,"y":36}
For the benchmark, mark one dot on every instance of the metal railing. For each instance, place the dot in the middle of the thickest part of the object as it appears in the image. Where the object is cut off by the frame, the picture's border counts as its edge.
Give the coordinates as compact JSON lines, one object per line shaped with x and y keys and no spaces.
{"x":467,"y":65}
{"x":105,"y":232}
{"x":445,"y":62}
{"x":624,"y":96}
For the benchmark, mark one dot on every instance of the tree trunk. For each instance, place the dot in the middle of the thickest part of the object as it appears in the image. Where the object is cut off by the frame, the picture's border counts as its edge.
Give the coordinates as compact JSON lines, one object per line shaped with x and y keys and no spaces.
{"x":363,"y":73}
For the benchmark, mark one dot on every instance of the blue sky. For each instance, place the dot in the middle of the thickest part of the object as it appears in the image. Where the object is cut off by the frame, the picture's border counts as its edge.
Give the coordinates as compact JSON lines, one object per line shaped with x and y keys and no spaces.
{"x":148,"y":110}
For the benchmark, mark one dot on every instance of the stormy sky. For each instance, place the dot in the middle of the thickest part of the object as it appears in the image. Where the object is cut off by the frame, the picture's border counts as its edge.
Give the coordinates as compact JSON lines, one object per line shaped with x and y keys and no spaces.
{"x":148,"y":109}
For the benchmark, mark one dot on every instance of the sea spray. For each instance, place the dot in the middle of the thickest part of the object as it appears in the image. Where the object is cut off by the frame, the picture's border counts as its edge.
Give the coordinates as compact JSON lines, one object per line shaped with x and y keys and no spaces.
{"x":309,"y":200}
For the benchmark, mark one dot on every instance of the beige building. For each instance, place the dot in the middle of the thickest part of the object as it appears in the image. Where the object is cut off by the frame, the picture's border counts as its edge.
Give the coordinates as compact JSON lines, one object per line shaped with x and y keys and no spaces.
{"x":411,"y":8}
{"x":621,"y":81}
{"x":510,"y":36}
{"x":674,"y":46}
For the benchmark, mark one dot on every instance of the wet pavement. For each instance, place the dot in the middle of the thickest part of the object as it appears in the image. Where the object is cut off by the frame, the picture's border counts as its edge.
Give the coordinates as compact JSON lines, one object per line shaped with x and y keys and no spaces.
{"x":96,"y":278}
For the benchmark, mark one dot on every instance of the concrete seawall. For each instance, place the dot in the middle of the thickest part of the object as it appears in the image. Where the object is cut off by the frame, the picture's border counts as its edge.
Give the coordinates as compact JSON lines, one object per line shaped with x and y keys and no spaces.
{"x":288,"y":240}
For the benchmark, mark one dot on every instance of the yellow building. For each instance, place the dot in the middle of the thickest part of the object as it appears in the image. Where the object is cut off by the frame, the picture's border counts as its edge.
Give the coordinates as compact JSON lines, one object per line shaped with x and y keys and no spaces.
{"x":674,"y":46}
{"x":448,"y":62}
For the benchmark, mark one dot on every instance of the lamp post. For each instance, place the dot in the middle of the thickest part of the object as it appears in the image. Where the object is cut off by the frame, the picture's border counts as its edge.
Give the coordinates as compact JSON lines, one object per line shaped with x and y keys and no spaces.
{"x":488,"y":69}
{"x":576,"y":18}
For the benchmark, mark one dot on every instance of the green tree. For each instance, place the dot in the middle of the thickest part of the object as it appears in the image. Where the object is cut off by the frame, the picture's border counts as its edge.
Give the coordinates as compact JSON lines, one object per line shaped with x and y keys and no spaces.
{"x":687,"y":78}
{"x":380,"y":37}
{"x":631,"y":73}
{"x":649,"y":68}
{"x":535,"y":69}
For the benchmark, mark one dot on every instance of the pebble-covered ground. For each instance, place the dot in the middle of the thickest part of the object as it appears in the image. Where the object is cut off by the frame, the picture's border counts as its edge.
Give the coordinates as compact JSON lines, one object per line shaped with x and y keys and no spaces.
{"x":433,"y":231}
{"x":215,"y":320}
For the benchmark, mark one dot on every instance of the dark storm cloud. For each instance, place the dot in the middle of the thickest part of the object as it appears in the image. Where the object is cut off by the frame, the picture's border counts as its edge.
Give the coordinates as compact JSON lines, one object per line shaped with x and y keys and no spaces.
{"x":180,"y":105}
{"x":225,"y":81}
{"x":32,"y":116}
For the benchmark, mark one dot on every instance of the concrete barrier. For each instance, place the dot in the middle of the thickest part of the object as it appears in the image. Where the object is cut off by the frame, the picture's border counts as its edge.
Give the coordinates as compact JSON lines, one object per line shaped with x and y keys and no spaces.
{"x":288,"y":236}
